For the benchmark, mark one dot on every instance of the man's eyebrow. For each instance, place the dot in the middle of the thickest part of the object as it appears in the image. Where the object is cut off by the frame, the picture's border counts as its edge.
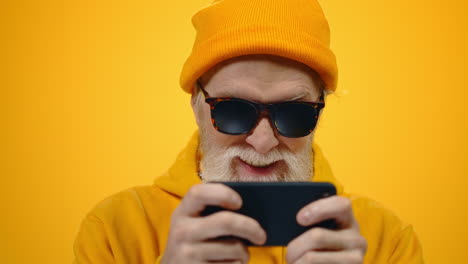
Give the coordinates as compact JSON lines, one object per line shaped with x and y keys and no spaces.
{"x":228,"y":89}
{"x":302,"y":95}
{"x":226,"y":93}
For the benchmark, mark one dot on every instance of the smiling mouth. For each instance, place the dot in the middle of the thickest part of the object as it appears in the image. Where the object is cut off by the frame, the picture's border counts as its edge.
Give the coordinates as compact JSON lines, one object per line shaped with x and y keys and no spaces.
{"x":257,"y":164}
{"x":258,"y":169}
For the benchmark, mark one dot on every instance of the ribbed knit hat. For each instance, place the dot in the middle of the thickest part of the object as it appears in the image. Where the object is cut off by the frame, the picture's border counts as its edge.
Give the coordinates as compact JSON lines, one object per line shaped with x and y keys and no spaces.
{"x":295,"y":29}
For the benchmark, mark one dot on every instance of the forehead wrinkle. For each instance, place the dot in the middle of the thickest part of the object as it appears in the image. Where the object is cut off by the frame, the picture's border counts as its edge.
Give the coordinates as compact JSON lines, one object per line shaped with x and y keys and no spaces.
{"x":289,"y":90}
{"x":229,"y":89}
{"x":261,"y":78}
{"x":303,"y":92}
{"x":291,"y":87}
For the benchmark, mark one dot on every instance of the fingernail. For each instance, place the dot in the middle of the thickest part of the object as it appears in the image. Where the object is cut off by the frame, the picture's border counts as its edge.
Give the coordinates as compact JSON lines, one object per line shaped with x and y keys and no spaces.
{"x":263,"y":238}
{"x":306,"y":216}
{"x":236,"y":200}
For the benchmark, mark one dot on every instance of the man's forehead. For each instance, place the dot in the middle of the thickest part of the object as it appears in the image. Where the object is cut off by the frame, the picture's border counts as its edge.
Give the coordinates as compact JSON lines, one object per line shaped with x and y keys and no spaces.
{"x":261,"y":92}
{"x":262,"y":77}
{"x":267,"y":61}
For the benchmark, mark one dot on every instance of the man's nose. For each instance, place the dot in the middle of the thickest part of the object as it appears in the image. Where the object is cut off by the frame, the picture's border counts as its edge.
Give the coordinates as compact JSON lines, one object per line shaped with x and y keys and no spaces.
{"x":263,"y":137}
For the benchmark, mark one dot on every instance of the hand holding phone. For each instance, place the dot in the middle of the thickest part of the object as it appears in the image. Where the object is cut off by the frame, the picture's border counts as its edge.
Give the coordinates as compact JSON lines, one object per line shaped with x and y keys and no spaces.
{"x":192,"y":239}
{"x":275,"y":207}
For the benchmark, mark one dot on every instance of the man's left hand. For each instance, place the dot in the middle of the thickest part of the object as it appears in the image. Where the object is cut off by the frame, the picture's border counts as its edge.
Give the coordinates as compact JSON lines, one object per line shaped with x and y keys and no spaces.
{"x":319,"y":245}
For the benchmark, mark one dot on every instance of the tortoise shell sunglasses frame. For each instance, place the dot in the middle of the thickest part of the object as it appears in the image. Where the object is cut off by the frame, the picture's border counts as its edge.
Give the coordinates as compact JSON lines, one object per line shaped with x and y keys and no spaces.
{"x":263,"y":110}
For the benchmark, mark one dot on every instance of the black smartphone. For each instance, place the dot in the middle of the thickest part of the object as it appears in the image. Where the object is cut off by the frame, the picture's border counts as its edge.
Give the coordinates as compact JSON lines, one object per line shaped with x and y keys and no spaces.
{"x":275,"y":206}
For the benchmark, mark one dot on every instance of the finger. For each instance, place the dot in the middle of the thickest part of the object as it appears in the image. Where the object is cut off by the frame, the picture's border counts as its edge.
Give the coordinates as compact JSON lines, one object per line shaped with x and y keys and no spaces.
{"x":226,"y":251}
{"x":335,"y":207}
{"x":228,"y":262}
{"x":316,"y":257}
{"x":227,"y":223}
{"x":324,"y":239}
{"x":201,"y":195}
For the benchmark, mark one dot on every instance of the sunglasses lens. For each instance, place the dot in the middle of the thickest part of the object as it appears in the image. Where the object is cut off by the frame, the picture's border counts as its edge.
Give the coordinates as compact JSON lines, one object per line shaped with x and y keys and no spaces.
{"x":234,"y":117}
{"x":295,"y":119}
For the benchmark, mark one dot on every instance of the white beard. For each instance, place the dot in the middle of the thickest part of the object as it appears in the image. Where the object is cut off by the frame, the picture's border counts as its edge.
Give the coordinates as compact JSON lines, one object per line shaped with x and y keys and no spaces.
{"x":217,"y":163}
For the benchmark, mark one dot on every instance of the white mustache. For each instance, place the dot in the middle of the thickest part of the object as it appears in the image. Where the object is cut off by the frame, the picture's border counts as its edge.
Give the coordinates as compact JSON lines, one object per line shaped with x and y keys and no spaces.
{"x":251,"y":157}
{"x":217,"y":162}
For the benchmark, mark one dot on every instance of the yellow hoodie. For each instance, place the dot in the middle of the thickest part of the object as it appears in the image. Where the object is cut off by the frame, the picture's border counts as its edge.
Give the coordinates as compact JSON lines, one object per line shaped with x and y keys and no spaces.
{"x":132,"y":226}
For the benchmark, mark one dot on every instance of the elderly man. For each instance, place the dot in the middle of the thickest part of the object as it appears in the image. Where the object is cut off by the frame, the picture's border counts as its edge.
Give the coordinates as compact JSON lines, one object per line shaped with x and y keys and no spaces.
{"x":258,"y":74}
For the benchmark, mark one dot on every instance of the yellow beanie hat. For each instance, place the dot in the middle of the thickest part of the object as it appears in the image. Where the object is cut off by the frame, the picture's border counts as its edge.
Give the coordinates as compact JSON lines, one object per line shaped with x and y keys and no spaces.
{"x":295,"y":29}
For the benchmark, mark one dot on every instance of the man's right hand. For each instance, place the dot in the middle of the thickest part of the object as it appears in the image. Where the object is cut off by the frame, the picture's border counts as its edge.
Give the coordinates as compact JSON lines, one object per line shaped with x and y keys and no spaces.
{"x":192,"y":238}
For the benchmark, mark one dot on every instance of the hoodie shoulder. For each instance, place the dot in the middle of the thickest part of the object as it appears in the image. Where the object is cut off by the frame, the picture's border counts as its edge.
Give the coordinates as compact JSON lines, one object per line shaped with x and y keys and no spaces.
{"x":389,"y":238}
{"x":130,"y":226}
{"x":134,"y":200}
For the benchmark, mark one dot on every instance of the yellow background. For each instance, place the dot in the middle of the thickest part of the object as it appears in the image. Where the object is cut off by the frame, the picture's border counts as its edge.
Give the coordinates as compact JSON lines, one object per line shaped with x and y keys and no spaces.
{"x":90,"y":105}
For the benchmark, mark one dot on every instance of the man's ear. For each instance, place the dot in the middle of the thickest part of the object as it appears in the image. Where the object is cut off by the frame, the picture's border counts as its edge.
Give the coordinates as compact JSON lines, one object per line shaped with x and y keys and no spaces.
{"x":194,"y":102}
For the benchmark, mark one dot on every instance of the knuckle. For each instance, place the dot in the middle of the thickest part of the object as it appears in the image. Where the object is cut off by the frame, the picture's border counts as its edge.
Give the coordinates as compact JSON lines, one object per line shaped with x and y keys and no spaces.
{"x":225,"y":220}
{"x":317,"y":236}
{"x":188,"y":252}
{"x":226,"y":217}
{"x":174,"y":217}
{"x":357,"y":242}
{"x":355,"y":257}
{"x":226,"y":196}
{"x":224,"y":190}
{"x":182,"y":232}
{"x":309,"y":257}
{"x":345,"y":203}
{"x":195,"y":192}
{"x":362,"y":243}
{"x":289,"y":256}
{"x":357,"y":226}
{"x":244,"y":255}
{"x":244,"y":222}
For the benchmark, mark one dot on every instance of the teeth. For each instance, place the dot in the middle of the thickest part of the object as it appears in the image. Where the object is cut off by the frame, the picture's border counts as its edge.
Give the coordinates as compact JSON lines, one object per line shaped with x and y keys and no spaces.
{"x":258,"y":163}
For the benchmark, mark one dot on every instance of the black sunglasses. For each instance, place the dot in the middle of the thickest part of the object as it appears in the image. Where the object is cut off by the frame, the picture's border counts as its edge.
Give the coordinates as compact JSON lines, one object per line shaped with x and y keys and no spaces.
{"x":236,"y":116}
